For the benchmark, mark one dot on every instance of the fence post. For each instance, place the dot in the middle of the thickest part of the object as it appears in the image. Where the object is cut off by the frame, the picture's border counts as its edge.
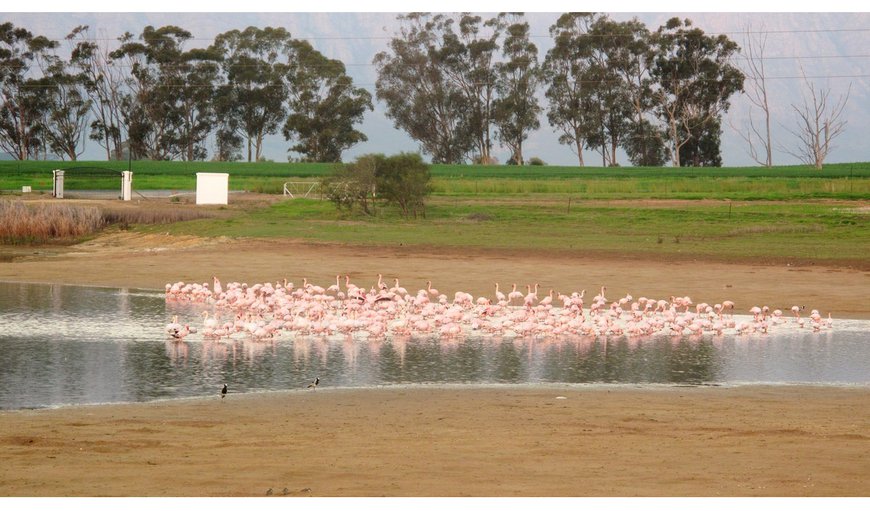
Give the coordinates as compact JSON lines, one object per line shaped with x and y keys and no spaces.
{"x":126,"y":185}
{"x":57,"y":184}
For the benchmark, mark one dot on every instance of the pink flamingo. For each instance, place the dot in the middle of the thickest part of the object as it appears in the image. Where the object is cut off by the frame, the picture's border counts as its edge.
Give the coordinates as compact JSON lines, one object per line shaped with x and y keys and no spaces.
{"x":181,"y":333}
{"x":335,"y":288}
{"x":797,"y":311}
{"x":398,"y":289}
{"x":514,"y":294}
{"x":499,"y":296}
{"x":600,"y":296}
{"x":531,"y":297}
{"x":433,"y":292}
{"x":756,"y":311}
{"x":547,"y":300}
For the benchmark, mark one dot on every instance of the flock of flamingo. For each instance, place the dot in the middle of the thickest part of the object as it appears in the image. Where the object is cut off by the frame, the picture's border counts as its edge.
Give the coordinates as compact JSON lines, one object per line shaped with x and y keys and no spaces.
{"x":265,"y":311}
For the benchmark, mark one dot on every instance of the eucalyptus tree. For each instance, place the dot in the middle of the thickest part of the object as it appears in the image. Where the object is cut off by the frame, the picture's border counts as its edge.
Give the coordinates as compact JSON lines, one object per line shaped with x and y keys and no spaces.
{"x":65,"y":119}
{"x":630,"y":57}
{"x":22,"y":91}
{"x":228,"y":133}
{"x":104,"y":83}
{"x":323,"y":105}
{"x":152,"y":102}
{"x":619,"y":77}
{"x":572,"y":107}
{"x":694,"y":80}
{"x":254,"y":95}
{"x":170,"y":103}
{"x":468,"y":59}
{"x":519,"y":76}
{"x":199,"y":77}
{"x":420,"y":96}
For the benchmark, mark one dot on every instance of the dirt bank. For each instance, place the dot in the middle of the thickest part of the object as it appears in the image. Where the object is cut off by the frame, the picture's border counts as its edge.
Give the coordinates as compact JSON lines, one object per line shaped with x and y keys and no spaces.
{"x":151,"y":261}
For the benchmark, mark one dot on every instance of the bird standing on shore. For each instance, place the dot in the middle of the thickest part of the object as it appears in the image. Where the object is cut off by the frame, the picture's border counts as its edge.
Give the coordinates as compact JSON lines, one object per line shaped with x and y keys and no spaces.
{"x":313,"y":385}
{"x":224,"y":391}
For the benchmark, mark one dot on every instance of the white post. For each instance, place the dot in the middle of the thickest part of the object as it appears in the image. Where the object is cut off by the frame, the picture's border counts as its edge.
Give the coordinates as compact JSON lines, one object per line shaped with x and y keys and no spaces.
{"x":126,"y":185}
{"x":57,"y":187}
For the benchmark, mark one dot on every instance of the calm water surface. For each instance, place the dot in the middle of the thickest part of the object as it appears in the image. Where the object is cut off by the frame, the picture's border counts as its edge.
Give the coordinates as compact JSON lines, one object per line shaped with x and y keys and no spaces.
{"x":73,"y":345}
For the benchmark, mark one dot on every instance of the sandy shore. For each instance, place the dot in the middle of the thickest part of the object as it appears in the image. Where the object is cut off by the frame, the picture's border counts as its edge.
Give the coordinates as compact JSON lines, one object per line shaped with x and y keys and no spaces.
{"x":496,"y":441}
{"x":151,"y":261}
{"x":502,"y":441}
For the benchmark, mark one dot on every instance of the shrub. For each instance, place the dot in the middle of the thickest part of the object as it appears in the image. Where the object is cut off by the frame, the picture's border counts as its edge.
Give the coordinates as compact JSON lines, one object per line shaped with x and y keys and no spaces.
{"x":480,"y":160}
{"x":353,"y":184}
{"x":402,"y":180}
{"x":534,"y":160}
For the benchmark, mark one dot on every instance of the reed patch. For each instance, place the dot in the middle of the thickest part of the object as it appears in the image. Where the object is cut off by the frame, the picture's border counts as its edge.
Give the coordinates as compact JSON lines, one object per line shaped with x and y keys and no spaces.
{"x":22,"y":223}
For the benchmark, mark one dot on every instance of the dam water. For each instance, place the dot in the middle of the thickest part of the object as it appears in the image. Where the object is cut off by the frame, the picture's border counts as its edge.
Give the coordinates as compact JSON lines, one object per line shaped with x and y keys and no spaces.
{"x":68,"y":345}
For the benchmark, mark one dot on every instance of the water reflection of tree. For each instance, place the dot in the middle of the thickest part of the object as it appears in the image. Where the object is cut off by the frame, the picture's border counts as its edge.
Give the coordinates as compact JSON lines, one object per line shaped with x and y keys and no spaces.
{"x":507,"y":363}
{"x":391,"y":361}
{"x":691,"y":361}
{"x":630,"y":360}
{"x":149,"y":373}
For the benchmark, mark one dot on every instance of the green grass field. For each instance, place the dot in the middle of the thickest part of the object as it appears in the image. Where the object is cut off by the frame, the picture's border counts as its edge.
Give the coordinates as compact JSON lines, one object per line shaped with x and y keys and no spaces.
{"x":738,"y":214}
{"x":744,"y":231}
{"x":837,"y":181}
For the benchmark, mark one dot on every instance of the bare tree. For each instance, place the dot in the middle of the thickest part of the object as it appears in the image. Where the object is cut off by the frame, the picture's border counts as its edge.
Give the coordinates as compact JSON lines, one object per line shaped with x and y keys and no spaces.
{"x":818,"y":123}
{"x":757,"y":137}
{"x":104,"y":83}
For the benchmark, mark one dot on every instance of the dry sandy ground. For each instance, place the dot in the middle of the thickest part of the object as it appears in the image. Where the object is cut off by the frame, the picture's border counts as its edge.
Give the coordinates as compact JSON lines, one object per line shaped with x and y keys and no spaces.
{"x":151,"y":261}
{"x":503,"y":441}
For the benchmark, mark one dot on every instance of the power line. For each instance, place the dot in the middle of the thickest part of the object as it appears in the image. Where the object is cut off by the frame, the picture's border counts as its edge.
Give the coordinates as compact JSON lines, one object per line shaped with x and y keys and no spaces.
{"x":361,"y":85}
{"x":534,"y":36}
{"x":238,"y":66}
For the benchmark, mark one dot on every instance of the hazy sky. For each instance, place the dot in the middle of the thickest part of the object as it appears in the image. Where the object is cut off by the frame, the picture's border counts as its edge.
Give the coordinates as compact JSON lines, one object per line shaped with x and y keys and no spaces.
{"x":831,"y":48}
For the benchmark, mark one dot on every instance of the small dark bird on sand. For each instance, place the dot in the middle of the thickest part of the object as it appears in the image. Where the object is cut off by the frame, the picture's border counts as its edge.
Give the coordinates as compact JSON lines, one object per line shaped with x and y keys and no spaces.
{"x":313,"y":385}
{"x":224,"y":391}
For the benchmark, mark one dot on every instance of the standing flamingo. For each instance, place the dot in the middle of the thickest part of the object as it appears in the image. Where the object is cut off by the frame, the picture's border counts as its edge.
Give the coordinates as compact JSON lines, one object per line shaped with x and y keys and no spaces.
{"x":532,"y":296}
{"x":547,"y":300}
{"x":514,"y":293}
{"x":335,"y":288}
{"x":499,"y":296}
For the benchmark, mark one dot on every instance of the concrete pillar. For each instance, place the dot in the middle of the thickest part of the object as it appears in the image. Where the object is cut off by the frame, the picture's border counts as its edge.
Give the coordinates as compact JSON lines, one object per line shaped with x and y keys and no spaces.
{"x":57,"y":187}
{"x":126,"y":185}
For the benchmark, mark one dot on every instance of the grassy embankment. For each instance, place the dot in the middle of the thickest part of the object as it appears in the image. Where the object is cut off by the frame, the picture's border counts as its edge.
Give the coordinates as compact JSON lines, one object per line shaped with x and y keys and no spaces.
{"x":782,"y":214}
{"x":838,"y":181}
